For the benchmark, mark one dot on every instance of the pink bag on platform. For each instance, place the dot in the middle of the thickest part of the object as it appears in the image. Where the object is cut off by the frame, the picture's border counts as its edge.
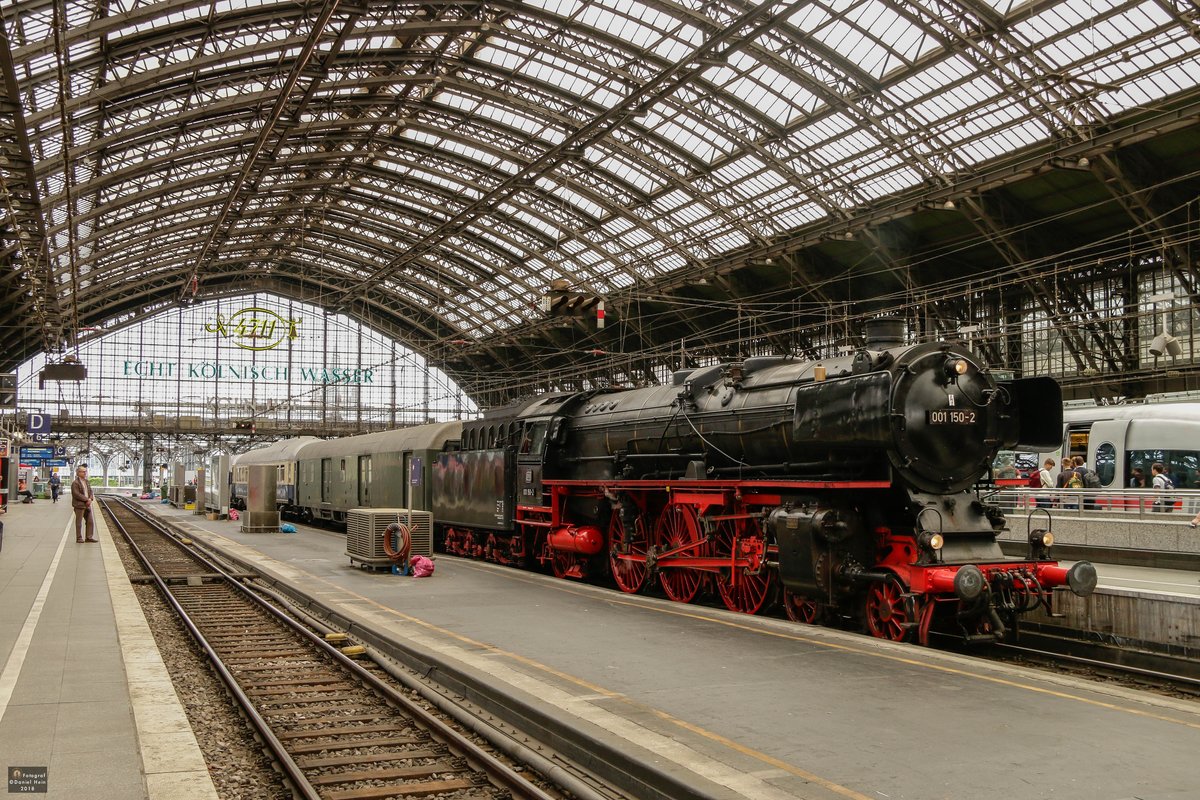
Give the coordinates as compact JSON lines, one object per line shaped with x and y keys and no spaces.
{"x":233,"y":514}
{"x":421,"y":566}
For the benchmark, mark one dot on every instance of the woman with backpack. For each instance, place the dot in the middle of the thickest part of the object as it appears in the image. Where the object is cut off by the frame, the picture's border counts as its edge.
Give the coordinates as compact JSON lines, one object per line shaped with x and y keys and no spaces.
{"x":1069,"y":479}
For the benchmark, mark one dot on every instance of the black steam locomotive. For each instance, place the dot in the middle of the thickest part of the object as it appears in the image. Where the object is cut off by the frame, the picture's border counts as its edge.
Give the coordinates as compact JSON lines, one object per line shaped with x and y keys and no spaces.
{"x":848,"y":484}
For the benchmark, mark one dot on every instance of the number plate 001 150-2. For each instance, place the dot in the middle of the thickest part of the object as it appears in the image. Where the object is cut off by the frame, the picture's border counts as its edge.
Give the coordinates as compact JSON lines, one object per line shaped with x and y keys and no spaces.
{"x":950,"y":416}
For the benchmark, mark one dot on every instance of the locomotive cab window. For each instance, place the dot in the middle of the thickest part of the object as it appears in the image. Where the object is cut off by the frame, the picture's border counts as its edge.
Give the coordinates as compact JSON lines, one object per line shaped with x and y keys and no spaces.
{"x":535,"y":439}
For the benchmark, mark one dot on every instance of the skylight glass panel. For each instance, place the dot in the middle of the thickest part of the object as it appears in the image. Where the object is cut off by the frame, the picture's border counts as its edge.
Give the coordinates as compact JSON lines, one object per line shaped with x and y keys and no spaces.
{"x":898,"y":178}
{"x":564,"y":8}
{"x":577,"y":201}
{"x":1158,"y":84}
{"x":852,"y":45}
{"x":956,"y":99}
{"x":769,"y":101}
{"x":550,"y":230}
{"x":810,"y":17}
{"x":687,"y":141}
{"x":506,"y":57}
{"x":1001,"y":141}
{"x":728,"y":241}
{"x":630,"y":173}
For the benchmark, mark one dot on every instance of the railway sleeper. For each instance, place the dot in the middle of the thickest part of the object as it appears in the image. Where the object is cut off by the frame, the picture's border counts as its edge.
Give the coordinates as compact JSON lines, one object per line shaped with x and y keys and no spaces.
{"x":280,"y":691}
{"x":311,"y":723}
{"x":310,"y":762}
{"x":280,"y":712}
{"x":383,"y":741}
{"x":400,"y":726}
{"x":403,"y":790}
{"x":295,"y":701}
{"x":395,"y":773}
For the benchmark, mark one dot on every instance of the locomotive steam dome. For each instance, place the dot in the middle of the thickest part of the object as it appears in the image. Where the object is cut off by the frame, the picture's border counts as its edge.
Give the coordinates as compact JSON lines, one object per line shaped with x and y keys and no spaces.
{"x":945,"y":413}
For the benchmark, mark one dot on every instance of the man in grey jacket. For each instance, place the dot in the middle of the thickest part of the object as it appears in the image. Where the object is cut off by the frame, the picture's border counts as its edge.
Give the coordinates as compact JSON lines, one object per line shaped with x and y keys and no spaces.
{"x":81,"y":500}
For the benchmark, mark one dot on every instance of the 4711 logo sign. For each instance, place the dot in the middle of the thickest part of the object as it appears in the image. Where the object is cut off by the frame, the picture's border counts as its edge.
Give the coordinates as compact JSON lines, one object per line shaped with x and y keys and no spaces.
{"x":254,"y":328}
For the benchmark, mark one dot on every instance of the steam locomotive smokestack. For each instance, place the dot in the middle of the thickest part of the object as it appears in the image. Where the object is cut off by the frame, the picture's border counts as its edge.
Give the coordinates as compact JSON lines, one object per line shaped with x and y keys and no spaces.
{"x":884,"y":332}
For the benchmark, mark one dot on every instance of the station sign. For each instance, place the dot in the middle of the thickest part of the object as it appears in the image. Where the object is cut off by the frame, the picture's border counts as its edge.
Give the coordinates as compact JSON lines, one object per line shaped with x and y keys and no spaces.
{"x":55,"y":462}
{"x":36,"y":455}
{"x":38,"y":423}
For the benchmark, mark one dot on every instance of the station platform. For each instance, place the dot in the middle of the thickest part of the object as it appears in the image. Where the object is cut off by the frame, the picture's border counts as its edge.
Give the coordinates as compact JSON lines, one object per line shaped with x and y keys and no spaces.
{"x":736,"y":706}
{"x":85,"y":700}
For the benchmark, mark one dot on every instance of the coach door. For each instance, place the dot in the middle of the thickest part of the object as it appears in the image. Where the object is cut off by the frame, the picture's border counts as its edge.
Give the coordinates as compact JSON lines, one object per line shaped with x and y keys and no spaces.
{"x":364,"y":481}
{"x":326,"y":479}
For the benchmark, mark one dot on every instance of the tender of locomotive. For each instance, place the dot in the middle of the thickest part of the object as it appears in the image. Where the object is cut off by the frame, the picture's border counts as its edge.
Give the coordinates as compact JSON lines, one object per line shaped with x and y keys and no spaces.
{"x":848,"y":483}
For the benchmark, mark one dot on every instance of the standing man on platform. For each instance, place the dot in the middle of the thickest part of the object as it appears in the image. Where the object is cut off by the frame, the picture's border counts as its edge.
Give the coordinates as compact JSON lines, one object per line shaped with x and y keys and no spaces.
{"x":81,"y":500}
{"x":55,"y":486}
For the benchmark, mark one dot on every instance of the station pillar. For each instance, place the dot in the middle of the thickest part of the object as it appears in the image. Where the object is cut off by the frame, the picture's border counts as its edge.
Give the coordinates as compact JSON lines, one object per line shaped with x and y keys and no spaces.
{"x":147,"y":462}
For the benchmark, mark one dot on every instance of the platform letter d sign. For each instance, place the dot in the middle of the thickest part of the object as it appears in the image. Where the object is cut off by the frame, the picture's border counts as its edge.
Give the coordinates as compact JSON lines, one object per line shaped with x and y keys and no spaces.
{"x":38,"y":423}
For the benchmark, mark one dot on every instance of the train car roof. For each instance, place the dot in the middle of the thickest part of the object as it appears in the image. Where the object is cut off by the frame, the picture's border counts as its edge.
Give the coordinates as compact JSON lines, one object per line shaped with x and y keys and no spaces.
{"x":283,"y":450}
{"x":527,"y":406}
{"x":1181,"y":411}
{"x":418,"y":437}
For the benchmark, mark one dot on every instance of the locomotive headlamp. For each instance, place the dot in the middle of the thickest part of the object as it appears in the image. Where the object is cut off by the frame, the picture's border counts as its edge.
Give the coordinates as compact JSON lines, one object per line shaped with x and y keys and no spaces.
{"x":932,"y":541}
{"x":955,"y":367}
{"x":1040,"y":540}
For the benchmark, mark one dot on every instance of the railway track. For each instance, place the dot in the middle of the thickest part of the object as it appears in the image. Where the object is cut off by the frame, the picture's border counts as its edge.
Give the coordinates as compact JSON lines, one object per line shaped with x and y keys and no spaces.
{"x":337,"y":731}
{"x":1166,"y":674}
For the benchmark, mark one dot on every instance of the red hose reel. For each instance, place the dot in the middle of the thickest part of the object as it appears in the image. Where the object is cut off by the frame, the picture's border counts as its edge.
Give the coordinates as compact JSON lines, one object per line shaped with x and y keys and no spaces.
{"x":397,"y":542}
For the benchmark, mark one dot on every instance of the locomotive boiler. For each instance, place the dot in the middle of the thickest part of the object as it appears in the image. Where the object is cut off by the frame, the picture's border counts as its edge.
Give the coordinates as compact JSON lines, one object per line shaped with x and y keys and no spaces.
{"x":846,"y":483}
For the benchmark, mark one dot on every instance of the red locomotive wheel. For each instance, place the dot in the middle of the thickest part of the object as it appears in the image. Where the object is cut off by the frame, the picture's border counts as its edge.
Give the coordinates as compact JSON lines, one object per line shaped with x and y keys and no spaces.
{"x":677,"y":527}
{"x":802,"y":609}
{"x":886,"y":616}
{"x":562,"y":563}
{"x":629,"y":575}
{"x":740,"y":592}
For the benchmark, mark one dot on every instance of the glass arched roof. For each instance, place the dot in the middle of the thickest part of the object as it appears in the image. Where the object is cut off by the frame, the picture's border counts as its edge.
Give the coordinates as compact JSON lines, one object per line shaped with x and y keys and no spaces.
{"x":430,"y":167}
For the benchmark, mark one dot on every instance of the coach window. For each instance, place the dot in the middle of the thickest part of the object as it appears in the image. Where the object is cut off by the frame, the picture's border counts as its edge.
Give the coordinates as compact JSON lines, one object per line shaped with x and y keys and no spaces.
{"x":1106,"y":463}
{"x":1183,"y":466}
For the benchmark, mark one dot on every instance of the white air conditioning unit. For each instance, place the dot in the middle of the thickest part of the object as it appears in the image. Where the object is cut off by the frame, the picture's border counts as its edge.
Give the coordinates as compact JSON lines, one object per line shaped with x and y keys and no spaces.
{"x":365,"y":528}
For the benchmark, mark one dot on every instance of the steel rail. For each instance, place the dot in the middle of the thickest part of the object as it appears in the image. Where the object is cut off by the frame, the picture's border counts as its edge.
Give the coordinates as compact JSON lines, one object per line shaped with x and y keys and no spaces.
{"x":289,"y":766}
{"x":1167,"y":678}
{"x":503,"y":776}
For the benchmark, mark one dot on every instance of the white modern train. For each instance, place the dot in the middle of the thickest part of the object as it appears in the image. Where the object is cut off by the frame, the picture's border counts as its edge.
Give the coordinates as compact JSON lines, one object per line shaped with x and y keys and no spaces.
{"x":1117,"y":439}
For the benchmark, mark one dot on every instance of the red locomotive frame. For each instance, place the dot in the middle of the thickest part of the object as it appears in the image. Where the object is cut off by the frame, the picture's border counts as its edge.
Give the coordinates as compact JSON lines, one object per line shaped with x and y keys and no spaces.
{"x":693,"y":535}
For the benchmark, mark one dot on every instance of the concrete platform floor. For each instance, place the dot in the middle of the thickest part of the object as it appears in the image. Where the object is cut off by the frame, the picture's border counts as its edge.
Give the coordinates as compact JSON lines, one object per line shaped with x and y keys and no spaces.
{"x":752,"y":707}
{"x":83,"y":690}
